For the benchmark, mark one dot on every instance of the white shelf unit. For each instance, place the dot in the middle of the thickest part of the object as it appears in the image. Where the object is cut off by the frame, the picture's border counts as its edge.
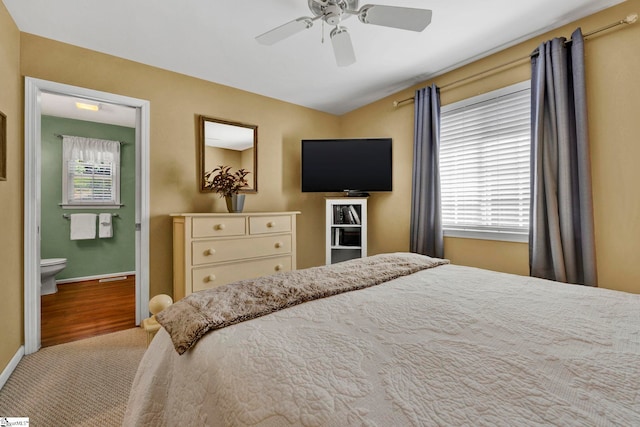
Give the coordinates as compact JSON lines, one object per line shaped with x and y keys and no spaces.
{"x":346,"y":229}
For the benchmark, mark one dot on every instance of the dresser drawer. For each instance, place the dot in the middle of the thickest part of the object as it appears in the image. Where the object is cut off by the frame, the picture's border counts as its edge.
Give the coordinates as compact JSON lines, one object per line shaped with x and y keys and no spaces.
{"x":218,"y":227}
{"x":269,"y":224}
{"x":209,"y":251}
{"x":210,"y":277}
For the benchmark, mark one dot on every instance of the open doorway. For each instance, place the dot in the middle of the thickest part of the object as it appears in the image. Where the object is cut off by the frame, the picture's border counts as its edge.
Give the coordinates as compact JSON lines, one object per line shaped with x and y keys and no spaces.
{"x":87,"y":218}
{"x":35,"y":91}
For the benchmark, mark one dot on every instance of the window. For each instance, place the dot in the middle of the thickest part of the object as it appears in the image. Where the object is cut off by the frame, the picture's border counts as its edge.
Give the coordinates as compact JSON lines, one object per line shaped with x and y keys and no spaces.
{"x":91,"y":172}
{"x":484,"y":165}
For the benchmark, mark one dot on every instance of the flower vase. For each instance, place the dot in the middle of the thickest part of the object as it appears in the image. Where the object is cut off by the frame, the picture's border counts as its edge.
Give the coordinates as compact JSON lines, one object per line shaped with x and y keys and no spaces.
{"x":235,"y":203}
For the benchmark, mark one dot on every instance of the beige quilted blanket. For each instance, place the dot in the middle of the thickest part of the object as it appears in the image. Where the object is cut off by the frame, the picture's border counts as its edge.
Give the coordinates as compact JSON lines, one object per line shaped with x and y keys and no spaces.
{"x":190,"y":318}
{"x":446,"y":346}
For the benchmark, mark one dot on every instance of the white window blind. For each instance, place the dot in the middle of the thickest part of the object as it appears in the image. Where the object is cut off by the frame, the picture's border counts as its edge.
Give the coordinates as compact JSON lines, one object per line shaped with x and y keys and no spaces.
{"x":90,"y":182}
{"x":484,"y":164}
{"x":92,"y":171}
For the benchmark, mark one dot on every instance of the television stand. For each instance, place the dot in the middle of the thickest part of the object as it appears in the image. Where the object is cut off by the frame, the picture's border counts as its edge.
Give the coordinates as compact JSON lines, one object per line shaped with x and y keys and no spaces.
{"x":355,"y":193}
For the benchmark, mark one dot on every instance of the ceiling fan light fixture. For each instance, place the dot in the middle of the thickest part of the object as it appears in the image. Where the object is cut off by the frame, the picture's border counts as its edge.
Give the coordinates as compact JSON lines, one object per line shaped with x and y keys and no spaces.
{"x":342,"y":47}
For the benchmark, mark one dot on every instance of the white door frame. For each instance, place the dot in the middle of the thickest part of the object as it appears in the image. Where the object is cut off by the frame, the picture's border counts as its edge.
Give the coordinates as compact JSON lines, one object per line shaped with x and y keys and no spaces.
{"x":32,"y":178}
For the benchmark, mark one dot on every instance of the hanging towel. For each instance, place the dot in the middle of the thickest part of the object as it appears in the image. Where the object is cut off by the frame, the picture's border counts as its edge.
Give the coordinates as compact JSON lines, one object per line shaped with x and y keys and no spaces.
{"x":105,"y":230}
{"x":83,"y":226}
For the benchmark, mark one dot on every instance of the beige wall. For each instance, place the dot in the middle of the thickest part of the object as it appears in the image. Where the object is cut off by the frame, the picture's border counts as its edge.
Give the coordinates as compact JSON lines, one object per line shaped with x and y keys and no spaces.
{"x":247,"y":160}
{"x":216,"y":156}
{"x":176,"y":101}
{"x":613,"y":90}
{"x":11,"y":192}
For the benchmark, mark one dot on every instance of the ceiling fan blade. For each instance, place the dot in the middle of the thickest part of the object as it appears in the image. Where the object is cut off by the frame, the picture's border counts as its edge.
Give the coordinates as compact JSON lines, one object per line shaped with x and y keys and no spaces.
{"x":405,"y":18}
{"x":284,"y":31}
{"x":342,"y":47}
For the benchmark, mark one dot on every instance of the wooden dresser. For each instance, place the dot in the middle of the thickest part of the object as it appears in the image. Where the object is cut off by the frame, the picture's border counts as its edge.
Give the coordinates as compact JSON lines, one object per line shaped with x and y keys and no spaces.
{"x":213,"y":249}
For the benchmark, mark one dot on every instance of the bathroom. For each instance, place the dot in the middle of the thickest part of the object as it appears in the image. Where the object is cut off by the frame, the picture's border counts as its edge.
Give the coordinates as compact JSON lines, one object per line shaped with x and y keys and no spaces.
{"x":99,"y":256}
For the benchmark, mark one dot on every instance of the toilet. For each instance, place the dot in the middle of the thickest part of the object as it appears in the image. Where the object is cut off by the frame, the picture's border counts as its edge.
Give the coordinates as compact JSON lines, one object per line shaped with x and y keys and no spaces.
{"x":49,"y":267}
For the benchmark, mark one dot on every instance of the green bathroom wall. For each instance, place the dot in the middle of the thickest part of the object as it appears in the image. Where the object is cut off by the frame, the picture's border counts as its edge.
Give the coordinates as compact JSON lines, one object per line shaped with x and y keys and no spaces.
{"x":86,"y":258}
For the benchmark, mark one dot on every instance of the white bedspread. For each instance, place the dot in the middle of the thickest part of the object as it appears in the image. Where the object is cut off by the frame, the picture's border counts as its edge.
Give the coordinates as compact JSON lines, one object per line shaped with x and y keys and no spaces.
{"x":449,"y":346}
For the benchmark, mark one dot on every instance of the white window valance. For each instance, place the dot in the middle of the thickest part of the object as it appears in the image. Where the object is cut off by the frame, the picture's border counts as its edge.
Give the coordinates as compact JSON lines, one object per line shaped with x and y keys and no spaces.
{"x":90,"y":149}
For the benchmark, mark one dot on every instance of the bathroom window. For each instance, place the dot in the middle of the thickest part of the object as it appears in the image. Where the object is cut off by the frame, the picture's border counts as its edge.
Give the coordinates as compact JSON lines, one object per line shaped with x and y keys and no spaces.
{"x":91,"y":172}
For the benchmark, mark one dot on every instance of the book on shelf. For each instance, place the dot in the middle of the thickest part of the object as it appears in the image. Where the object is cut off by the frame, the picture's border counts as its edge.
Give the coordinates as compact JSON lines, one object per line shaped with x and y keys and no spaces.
{"x":337,"y":215}
{"x":345,"y":214}
{"x":348,"y":216}
{"x":354,"y":214}
{"x":346,"y":237}
{"x":350,"y":237}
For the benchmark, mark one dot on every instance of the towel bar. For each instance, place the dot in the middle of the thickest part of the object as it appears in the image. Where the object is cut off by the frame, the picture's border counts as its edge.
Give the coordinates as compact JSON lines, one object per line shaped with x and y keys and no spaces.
{"x":67,"y":216}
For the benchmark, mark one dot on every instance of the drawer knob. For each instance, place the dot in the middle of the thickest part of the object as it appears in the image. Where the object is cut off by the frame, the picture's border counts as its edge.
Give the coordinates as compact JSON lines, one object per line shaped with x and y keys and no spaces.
{"x":219,"y":227}
{"x":211,"y":278}
{"x":278,"y":267}
{"x":278,"y":245}
{"x":210,"y":251}
{"x":271,"y":224}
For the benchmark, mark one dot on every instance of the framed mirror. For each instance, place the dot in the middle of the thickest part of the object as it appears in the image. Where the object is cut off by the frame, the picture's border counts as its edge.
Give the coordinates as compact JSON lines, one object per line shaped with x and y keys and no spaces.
{"x":222,"y":142}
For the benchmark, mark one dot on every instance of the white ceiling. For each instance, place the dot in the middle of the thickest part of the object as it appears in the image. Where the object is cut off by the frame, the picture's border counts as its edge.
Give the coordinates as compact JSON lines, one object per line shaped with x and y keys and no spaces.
{"x":231,"y":137}
{"x":215,"y":41}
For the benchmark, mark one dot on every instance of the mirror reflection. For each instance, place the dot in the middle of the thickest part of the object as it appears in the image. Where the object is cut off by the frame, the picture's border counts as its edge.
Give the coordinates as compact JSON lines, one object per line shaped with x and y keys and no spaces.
{"x":231,"y":144}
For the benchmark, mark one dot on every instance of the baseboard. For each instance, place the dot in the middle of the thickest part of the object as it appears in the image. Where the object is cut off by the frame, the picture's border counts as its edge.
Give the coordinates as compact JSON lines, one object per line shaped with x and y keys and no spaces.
{"x":98,"y":277}
{"x":6,"y":373}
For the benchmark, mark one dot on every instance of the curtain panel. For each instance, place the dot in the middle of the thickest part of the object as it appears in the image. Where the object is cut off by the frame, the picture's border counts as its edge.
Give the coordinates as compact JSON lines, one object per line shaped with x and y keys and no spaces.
{"x":426,"y":212}
{"x":561,"y":234}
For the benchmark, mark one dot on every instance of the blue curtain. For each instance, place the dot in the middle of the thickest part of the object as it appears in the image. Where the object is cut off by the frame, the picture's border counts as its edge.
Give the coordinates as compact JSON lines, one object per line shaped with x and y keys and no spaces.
{"x":561,"y":234}
{"x":426,"y":213}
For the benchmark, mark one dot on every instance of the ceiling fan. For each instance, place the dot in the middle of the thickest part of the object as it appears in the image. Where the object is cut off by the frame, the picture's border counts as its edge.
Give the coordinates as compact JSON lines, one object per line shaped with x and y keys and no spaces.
{"x":333,"y":12}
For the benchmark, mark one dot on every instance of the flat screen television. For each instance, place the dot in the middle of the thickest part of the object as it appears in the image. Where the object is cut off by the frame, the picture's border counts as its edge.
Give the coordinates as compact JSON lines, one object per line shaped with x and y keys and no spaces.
{"x":355,"y":166}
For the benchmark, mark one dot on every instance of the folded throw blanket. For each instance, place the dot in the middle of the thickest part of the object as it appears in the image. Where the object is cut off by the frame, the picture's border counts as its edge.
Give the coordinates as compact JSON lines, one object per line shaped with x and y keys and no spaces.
{"x":190,"y":318}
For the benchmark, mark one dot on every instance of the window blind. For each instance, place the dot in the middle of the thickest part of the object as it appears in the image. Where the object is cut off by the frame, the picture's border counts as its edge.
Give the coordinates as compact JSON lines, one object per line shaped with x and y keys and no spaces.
{"x":484,"y":162}
{"x":90,"y":182}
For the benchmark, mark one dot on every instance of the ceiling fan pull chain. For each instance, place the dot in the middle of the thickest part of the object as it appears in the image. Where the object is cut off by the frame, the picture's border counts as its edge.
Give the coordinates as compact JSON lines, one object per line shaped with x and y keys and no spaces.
{"x":322,"y":32}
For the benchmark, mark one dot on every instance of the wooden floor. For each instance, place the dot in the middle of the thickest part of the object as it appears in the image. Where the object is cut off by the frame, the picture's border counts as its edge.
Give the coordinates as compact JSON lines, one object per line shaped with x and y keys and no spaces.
{"x":86,"y":309}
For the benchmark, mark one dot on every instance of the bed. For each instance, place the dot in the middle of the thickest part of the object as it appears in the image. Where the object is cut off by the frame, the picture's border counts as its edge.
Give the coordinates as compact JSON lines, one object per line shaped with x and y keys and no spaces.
{"x":442,"y":346}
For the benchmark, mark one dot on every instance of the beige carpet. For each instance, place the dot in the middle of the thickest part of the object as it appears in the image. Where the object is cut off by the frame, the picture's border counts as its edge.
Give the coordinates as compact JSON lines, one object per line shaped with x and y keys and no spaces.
{"x":82,"y":383}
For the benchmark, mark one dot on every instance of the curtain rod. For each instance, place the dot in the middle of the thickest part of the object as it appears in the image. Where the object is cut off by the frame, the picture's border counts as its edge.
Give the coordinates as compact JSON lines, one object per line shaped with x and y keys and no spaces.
{"x":630,"y":19}
{"x":62,"y":136}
